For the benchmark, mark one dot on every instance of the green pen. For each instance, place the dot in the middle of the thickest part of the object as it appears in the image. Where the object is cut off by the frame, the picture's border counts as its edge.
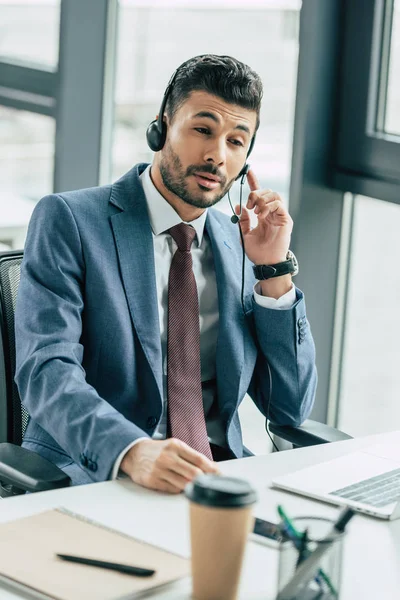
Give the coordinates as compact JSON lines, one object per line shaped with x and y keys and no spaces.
{"x":288,"y":523}
{"x":297,"y":536}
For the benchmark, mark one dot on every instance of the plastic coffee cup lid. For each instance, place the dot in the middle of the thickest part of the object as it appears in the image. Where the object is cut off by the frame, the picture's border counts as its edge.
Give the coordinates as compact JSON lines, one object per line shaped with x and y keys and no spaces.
{"x":220,"y":491}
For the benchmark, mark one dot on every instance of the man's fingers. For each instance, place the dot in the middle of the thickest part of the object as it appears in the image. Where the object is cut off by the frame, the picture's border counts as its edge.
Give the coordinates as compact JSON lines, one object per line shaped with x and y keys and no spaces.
{"x":265,"y":199}
{"x":244,"y":219}
{"x":182,"y":467}
{"x":274,"y":208}
{"x":196,"y":458}
{"x":252,"y":181}
{"x":267,"y":207}
{"x":260,"y":197}
{"x":173,"y":479}
{"x":165,"y":486}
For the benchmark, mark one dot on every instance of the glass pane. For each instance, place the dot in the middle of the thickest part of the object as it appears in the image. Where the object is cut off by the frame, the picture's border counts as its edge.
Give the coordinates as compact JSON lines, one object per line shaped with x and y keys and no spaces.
{"x":392,"y":123}
{"x":371,"y":374}
{"x":26,"y":170}
{"x":261,"y":33}
{"x":156,"y":36}
{"x":29,"y":30}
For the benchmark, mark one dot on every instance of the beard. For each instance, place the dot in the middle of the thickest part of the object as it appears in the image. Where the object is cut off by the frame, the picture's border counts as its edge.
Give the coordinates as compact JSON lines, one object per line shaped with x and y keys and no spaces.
{"x":174,"y":177}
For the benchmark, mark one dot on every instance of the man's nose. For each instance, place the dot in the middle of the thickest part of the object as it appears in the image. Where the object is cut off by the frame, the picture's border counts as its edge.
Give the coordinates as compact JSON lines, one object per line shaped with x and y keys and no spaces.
{"x":216,"y":153}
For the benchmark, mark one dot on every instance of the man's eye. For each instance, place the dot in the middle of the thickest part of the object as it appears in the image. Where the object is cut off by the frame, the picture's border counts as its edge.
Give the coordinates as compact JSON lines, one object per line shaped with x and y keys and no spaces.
{"x":236,"y":142}
{"x":203,"y":130}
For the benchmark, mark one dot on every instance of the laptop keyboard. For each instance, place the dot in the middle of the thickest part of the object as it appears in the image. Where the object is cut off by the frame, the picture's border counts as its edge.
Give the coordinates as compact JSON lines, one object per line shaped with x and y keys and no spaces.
{"x":377,"y":491}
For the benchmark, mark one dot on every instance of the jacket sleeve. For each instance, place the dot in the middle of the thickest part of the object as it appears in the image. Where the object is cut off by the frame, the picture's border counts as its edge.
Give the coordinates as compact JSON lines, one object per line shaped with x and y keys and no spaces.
{"x":49,"y":373}
{"x":284,"y":380}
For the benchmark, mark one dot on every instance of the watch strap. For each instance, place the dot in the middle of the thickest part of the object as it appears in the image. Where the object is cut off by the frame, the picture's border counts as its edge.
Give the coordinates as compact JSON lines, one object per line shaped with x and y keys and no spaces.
{"x":286,"y":267}
{"x":268,"y":271}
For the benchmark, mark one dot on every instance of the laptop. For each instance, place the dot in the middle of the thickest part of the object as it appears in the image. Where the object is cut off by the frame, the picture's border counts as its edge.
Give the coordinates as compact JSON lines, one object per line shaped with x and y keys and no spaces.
{"x":368,"y":480}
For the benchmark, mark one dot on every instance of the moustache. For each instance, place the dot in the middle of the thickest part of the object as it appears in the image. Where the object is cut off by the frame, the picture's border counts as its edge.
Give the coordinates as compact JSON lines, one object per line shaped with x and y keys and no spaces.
{"x":192,"y":169}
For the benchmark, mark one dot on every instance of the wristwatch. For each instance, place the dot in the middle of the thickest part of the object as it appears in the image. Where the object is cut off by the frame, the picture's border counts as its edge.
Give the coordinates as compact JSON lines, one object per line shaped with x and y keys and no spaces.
{"x":290,"y":265}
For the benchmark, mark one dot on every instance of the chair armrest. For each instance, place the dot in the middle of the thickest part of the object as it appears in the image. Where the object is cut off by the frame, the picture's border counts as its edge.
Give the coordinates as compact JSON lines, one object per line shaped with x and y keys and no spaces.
{"x":310,"y":433}
{"x":28,"y":471}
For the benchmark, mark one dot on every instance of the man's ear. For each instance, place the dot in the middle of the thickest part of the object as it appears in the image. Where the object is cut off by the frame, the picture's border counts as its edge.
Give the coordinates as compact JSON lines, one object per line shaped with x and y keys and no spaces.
{"x":165,"y":118}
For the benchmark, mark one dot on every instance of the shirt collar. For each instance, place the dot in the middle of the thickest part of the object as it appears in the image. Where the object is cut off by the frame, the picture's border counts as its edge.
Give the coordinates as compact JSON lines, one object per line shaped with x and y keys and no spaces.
{"x":162,"y":215}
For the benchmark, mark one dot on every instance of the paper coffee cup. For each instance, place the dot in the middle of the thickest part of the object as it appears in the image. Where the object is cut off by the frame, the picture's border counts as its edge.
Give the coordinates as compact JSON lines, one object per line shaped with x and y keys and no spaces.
{"x":220,"y":521}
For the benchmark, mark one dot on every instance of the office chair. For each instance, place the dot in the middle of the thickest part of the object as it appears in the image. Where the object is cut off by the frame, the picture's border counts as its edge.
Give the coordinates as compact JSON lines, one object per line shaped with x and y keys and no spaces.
{"x":309,"y":433}
{"x":22,"y":470}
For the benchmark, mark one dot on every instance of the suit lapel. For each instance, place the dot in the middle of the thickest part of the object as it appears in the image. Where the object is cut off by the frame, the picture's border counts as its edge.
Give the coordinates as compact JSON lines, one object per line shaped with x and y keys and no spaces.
{"x":232,"y":327}
{"x":134,"y":243}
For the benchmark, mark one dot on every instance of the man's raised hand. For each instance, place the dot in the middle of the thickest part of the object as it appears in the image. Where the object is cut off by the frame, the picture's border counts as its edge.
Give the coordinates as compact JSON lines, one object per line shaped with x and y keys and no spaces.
{"x":268,"y":243}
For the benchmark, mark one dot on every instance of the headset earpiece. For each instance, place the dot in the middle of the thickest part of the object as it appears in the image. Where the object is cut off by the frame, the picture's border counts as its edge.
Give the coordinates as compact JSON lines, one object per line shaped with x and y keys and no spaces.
{"x":156,"y":135}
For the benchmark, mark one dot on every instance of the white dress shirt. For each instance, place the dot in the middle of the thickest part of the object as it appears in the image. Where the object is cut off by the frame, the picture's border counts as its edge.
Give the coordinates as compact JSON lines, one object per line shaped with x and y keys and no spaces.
{"x":163,"y":217}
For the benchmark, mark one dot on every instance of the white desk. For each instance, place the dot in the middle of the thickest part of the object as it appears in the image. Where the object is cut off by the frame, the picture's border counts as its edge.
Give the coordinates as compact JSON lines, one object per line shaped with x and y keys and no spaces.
{"x":371,"y":569}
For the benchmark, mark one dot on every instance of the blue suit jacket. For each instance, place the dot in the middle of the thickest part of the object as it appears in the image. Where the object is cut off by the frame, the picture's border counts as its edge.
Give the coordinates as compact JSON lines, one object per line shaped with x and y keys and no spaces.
{"x":88,"y":340}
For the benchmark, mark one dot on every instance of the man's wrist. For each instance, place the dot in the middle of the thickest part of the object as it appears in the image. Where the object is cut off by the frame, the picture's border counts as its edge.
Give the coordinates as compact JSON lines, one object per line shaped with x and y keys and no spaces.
{"x":276,"y":287}
{"x":117,"y":468}
{"x":273,"y":260}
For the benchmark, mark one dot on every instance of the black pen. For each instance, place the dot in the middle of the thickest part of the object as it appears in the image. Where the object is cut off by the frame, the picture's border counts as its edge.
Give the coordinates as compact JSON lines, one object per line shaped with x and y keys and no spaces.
{"x":129,"y":570}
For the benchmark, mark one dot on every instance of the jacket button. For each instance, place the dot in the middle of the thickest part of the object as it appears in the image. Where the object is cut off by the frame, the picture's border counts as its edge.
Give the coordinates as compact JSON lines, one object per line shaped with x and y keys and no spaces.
{"x":94,"y":466}
{"x":151,"y":422}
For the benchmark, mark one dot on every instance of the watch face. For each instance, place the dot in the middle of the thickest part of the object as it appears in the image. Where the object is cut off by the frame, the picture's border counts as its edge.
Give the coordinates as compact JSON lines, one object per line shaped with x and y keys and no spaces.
{"x":291,"y":256}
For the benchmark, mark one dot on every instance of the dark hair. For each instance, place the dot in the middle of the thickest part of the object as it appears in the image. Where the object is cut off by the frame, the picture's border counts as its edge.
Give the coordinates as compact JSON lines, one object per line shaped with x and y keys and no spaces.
{"x":222,"y":76}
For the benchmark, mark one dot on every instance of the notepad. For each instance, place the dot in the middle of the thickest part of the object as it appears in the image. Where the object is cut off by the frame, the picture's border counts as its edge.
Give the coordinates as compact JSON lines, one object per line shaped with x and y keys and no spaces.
{"x":27,"y":557}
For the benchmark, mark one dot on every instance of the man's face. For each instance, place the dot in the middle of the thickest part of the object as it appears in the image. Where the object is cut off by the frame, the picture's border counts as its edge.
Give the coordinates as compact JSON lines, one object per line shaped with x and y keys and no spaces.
{"x":206,"y":147}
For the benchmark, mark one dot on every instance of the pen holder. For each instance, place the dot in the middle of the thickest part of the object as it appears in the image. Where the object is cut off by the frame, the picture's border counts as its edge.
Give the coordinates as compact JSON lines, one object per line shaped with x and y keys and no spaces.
{"x":325,"y":581}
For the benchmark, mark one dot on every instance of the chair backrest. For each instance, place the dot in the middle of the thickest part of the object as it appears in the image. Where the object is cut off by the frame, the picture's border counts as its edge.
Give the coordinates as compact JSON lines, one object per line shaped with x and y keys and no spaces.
{"x":13,"y":416}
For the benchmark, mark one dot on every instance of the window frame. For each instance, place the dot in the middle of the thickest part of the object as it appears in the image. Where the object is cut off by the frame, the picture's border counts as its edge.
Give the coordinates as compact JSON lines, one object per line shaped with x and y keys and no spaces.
{"x":367,"y":159}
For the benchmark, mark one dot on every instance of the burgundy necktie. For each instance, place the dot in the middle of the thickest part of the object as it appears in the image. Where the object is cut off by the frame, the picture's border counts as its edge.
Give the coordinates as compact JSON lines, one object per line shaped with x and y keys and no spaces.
{"x":185,"y":400}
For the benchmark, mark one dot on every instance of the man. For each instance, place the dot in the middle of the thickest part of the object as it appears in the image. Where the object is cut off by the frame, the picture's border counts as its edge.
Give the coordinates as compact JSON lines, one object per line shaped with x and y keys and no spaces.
{"x":133,"y":352}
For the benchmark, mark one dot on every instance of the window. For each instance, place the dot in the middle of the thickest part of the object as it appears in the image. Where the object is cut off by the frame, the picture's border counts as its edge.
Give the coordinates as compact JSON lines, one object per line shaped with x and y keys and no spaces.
{"x":368,"y":154}
{"x":392,"y":121}
{"x":26,"y":170}
{"x":154,"y":38}
{"x":29,"y":30}
{"x":369,"y":399}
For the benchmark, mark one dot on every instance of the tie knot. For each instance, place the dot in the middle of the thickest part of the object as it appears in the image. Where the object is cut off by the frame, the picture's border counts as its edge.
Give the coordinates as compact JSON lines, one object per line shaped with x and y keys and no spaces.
{"x":183,"y":235}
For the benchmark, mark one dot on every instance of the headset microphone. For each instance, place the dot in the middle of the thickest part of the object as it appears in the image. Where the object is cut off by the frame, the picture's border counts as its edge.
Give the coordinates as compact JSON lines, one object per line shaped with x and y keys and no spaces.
{"x":243,"y":173}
